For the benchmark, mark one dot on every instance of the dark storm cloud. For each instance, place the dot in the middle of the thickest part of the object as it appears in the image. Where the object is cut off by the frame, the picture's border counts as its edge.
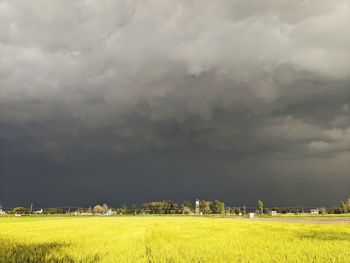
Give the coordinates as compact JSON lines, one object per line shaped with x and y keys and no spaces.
{"x":138,"y":100}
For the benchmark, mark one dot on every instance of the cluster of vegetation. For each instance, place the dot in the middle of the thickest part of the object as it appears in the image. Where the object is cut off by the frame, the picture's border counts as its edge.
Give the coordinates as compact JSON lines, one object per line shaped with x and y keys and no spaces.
{"x":169,"y":239}
{"x":161,"y":207}
{"x":156,"y":207}
{"x":187,"y":207}
{"x":48,"y":211}
{"x":344,"y":207}
{"x":205,"y":207}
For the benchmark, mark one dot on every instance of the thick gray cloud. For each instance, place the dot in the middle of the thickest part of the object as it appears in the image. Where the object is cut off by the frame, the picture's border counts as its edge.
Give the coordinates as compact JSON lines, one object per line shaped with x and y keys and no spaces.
{"x":137,"y":100}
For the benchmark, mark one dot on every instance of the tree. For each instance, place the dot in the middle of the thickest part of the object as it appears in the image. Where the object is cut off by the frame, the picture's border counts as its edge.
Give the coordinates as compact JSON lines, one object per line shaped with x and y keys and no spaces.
{"x":80,"y":210}
{"x":323,"y":211}
{"x":53,"y":210}
{"x":205,"y":207}
{"x":100,"y":209}
{"x":237,"y":211}
{"x":170,"y":207}
{"x":260,"y":207}
{"x":219,"y":207}
{"x":187,"y":207}
{"x":123,"y":209}
{"x":343,"y":207}
{"x":267,"y":211}
{"x":89,"y":210}
{"x":20,"y":210}
{"x":105,"y":207}
{"x":160,"y":207}
{"x":133,"y":209}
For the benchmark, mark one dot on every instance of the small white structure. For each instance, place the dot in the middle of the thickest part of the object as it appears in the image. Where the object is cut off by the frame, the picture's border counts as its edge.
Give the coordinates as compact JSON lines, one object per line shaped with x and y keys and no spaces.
{"x":2,"y":212}
{"x":251,"y":215}
{"x":18,"y":215}
{"x":197,"y":207}
{"x":274,"y":213}
{"x":110,"y":212}
{"x":314,"y":211}
{"x":38,"y":211}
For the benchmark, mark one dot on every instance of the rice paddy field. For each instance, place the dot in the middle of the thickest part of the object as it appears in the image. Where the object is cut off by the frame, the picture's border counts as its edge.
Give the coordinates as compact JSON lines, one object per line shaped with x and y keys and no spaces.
{"x":170,"y":239}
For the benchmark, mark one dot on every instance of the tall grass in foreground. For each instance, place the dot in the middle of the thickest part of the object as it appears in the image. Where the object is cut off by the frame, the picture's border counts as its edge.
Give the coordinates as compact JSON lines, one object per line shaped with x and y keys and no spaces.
{"x":169,"y":239}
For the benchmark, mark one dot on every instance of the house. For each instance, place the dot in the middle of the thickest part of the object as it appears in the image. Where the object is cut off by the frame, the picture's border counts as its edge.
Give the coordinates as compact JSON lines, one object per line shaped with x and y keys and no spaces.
{"x":2,"y":212}
{"x":274,"y":213}
{"x":314,"y":211}
{"x":251,"y":215}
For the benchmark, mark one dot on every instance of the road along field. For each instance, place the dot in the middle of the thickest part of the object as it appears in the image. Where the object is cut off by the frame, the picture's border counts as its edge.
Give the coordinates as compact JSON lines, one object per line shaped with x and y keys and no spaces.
{"x":308,"y":219}
{"x":169,"y":239}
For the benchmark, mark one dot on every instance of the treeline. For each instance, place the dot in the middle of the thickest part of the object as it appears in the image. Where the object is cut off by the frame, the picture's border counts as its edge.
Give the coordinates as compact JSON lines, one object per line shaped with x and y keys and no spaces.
{"x":24,"y":210}
{"x":186,"y":207}
{"x":200,"y":206}
{"x":161,"y":207}
{"x":156,"y":207}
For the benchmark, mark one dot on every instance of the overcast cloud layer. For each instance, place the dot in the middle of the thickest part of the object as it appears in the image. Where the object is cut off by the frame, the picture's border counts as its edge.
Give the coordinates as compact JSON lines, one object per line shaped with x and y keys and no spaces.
{"x":131,"y":101}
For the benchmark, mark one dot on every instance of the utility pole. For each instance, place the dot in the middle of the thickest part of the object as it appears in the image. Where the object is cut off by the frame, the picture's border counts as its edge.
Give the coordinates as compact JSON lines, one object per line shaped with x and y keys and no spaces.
{"x":31,"y":208}
{"x":244,"y":211}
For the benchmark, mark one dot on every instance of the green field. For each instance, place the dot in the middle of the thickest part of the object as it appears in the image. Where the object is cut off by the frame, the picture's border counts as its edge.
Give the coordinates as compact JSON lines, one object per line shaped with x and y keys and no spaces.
{"x":169,"y":239}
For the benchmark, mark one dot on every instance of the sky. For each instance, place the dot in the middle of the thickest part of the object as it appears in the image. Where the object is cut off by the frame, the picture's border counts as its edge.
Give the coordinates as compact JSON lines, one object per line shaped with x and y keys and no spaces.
{"x":130,"y":101}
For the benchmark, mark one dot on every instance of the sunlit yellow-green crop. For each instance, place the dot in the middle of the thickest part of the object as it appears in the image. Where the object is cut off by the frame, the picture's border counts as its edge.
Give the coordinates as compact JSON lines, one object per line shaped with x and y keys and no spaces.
{"x":169,"y":239}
